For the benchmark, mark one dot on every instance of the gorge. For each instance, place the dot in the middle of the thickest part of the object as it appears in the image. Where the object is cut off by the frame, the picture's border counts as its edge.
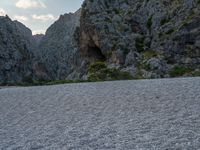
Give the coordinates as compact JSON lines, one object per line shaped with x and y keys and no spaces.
{"x":147,"y":39}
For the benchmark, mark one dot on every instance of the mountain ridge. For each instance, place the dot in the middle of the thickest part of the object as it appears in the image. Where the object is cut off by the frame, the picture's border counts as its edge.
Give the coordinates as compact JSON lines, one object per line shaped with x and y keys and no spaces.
{"x":148,"y":39}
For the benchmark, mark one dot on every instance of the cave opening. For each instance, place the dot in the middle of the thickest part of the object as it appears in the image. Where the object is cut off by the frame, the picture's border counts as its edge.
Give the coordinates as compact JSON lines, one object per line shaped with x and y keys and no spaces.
{"x":95,"y":54}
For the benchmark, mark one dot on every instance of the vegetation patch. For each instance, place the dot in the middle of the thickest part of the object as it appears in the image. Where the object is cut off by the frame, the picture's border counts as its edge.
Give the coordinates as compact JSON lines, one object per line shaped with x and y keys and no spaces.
{"x":170,"y":31}
{"x":143,"y":65}
{"x":42,"y":83}
{"x":180,"y":71}
{"x":164,"y":21}
{"x":139,"y":44}
{"x":196,"y":73}
{"x":118,"y":10}
{"x":149,"y":22}
{"x":100,"y":72}
{"x":150,"y":54}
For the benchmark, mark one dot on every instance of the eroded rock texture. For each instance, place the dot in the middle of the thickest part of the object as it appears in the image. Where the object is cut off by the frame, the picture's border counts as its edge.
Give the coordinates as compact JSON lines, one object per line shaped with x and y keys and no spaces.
{"x":146,"y":38}
{"x":149,"y":39}
{"x":58,"y":47}
{"x":16,"y":46}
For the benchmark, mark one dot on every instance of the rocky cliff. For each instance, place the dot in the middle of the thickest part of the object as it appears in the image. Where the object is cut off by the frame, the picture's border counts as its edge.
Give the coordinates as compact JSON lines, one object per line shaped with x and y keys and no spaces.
{"x":16,"y":46}
{"x":57,"y":49}
{"x":150,"y":39}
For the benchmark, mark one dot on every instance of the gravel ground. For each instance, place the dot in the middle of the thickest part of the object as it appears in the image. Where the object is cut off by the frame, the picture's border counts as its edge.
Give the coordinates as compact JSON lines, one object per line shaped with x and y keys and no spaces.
{"x":123,"y":115}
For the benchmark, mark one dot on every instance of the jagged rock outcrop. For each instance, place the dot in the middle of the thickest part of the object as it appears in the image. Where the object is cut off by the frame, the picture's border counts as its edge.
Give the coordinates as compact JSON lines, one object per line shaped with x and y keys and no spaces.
{"x":58,"y":48}
{"x":16,"y":46}
{"x":150,"y":39}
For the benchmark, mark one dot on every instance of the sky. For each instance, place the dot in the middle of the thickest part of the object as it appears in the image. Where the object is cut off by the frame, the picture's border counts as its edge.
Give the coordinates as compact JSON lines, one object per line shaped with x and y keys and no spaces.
{"x":37,"y":15}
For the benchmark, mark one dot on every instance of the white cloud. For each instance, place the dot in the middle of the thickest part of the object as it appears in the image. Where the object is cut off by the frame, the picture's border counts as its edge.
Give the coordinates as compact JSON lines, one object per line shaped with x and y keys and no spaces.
{"x":38,"y":32}
{"x":30,"y":4}
{"x":2,"y":12}
{"x":44,"y":17}
{"x":21,"y":18}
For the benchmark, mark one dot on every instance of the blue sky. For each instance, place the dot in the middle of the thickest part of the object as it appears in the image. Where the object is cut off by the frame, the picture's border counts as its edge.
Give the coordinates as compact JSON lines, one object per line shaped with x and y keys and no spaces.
{"x":38,"y":15}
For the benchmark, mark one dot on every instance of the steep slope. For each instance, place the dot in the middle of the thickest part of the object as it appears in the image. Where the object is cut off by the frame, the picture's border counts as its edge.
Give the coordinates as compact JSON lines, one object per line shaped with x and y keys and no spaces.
{"x":16,"y":46}
{"x":150,"y":39}
{"x":38,"y":38}
{"x":58,"y":47}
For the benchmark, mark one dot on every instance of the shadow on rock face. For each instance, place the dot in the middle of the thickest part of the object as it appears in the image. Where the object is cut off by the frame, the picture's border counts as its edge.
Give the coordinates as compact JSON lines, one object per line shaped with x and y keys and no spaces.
{"x":95,"y":54}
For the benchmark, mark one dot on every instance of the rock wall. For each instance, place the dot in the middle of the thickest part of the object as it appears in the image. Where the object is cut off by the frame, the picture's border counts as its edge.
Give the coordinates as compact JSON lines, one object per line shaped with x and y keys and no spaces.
{"x":146,"y":38}
{"x":58,"y":47}
{"x":16,"y":46}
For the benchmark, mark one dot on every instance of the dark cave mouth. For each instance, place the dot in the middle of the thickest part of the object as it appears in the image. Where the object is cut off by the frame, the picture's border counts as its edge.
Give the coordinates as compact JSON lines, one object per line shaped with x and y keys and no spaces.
{"x":95,"y":53}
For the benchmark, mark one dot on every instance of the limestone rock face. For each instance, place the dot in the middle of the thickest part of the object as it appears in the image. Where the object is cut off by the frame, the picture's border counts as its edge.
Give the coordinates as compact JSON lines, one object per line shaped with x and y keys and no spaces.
{"x":149,"y":39}
{"x":151,"y":36}
{"x":16,"y":46}
{"x":58,"y":47}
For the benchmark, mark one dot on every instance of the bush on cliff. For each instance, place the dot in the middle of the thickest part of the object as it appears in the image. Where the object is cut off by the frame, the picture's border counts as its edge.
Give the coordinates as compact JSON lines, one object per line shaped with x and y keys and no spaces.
{"x":99,"y":71}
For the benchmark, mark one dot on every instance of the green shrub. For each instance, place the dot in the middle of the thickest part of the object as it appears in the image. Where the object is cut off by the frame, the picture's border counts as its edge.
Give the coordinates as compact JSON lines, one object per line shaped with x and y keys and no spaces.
{"x":139,"y":44}
{"x":149,"y":22}
{"x":164,"y":21}
{"x":196,"y":73}
{"x":143,"y":65}
{"x":100,"y":72}
{"x":117,"y":10}
{"x":170,"y":31}
{"x":97,"y":66}
{"x":180,"y":71}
